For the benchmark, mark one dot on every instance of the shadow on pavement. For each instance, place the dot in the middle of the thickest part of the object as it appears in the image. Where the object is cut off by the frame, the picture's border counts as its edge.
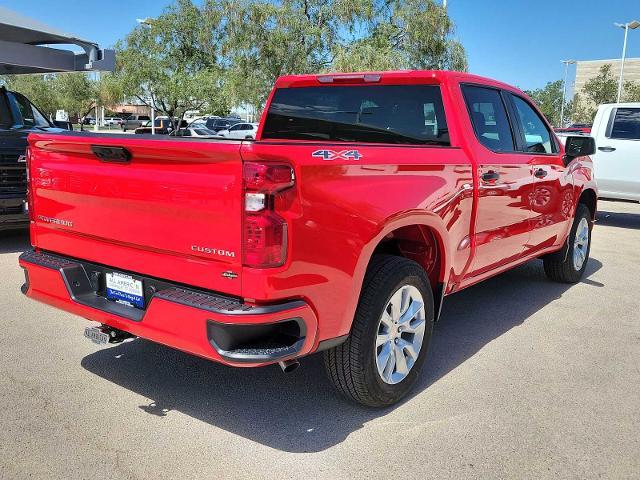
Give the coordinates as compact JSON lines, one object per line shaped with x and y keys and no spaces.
{"x":618,"y":219}
{"x":14,"y":241}
{"x":299,"y":412}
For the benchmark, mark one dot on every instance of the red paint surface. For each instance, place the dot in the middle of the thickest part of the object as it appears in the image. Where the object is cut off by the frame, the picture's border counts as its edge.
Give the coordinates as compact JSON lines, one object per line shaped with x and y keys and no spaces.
{"x":146,"y":216}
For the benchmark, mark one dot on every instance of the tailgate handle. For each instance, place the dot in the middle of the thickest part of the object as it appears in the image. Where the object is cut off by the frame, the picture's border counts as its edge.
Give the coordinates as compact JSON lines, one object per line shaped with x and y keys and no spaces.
{"x":107,"y":153}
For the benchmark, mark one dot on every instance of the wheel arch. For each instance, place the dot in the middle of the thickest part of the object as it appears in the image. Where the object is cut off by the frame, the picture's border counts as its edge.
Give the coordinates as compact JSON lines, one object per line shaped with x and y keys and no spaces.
{"x":418,"y":236}
{"x":589,"y":198}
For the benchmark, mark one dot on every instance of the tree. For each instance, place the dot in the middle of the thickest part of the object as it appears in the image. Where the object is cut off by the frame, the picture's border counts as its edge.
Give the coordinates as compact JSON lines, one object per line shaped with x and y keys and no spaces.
{"x":38,"y":88}
{"x":631,"y":91}
{"x":265,"y":39}
{"x":403,"y":34}
{"x":549,"y":100}
{"x":77,"y":93}
{"x":603,"y":88}
{"x":170,"y":63}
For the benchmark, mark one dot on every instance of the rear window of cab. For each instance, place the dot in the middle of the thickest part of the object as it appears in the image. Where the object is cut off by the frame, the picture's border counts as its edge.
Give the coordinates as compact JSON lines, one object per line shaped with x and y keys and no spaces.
{"x":396,"y":114}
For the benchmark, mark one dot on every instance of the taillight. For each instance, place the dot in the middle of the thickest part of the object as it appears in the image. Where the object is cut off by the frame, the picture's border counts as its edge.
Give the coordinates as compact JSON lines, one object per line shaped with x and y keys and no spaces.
{"x":29,"y":187}
{"x":265,"y":232}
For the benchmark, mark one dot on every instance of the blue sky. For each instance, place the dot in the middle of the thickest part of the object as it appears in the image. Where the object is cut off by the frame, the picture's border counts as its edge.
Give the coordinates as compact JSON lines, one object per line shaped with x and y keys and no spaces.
{"x":520,"y":42}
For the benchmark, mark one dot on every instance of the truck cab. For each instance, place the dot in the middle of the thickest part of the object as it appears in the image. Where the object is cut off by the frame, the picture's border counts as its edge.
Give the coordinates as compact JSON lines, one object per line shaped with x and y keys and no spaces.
{"x":616,"y":130}
{"x":18,"y":118}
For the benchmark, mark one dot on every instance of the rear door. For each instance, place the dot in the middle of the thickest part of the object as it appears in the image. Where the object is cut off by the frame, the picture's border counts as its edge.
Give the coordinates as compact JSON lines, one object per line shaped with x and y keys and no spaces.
{"x":617,"y":162}
{"x":505,"y":181}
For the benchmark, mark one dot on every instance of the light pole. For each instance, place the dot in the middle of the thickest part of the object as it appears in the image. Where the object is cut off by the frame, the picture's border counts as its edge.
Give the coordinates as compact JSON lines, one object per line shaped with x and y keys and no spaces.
{"x":564,"y":89}
{"x":631,"y":25}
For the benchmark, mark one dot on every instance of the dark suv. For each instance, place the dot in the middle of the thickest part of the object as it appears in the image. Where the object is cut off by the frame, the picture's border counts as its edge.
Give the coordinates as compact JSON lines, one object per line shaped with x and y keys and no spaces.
{"x":216,"y":123}
{"x":18,"y":117}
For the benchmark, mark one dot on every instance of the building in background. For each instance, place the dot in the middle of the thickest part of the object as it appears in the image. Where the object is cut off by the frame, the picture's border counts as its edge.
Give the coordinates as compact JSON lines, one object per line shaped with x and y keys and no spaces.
{"x":587,"y":69}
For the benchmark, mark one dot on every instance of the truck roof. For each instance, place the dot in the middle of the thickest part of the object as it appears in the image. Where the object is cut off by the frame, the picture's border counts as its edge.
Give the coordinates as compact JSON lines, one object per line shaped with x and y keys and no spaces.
{"x":387,"y":77}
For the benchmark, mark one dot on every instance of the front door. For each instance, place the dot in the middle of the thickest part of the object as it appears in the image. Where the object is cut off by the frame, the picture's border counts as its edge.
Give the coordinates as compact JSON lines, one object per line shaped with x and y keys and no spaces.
{"x":551,"y":193}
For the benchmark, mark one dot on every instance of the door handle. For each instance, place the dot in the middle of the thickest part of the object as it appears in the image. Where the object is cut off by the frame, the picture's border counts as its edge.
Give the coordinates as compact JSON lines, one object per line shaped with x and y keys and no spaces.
{"x":540,"y":173}
{"x":490,"y":176}
{"x":607,"y":149}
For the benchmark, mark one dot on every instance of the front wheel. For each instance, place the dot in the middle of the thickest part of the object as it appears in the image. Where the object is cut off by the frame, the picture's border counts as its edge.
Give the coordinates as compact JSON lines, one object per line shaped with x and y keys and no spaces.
{"x":391,"y":332}
{"x":569,"y":265}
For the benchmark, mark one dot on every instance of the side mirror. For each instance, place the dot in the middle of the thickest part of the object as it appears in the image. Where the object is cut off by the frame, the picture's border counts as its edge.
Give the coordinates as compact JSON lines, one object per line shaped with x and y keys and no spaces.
{"x":578,"y":146}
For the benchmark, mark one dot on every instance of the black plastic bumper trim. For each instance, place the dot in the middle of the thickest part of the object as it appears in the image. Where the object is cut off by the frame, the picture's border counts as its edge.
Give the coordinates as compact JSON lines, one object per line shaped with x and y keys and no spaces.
{"x":257,"y":355}
{"x":83,"y":283}
{"x":331,"y":343}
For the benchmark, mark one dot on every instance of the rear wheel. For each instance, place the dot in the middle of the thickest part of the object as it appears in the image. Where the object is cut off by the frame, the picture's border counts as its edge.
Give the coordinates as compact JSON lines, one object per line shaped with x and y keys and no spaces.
{"x":384,"y":354}
{"x":569,"y":265}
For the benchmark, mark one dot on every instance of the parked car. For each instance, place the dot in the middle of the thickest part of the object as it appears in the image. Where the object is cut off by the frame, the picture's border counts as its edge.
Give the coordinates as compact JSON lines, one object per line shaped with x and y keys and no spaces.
{"x":575,"y":129}
{"x":133,"y":122}
{"x":194,"y":132}
{"x":365,"y":200}
{"x":163,"y":126}
{"x":112,"y":121}
{"x":88,"y":121}
{"x":616,"y":130}
{"x":245,"y":131}
{"x":216,"y":123}
{"x":18,"y":118}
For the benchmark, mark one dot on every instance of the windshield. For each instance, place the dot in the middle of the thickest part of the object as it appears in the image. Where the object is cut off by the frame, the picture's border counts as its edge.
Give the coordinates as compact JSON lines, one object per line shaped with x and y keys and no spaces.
{"x":31,"y":116}
{"x":407,"y":114}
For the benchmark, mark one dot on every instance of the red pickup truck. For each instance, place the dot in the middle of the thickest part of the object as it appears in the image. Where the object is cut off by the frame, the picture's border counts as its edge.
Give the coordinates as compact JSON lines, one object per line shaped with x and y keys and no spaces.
{"x":364,"y":201}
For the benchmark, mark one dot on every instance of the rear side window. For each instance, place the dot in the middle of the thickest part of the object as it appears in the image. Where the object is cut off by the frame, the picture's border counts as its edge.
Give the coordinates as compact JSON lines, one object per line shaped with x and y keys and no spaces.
{"x":537,"y":138}
{"x":626,"y":124}
{"x":403,"y":114}
{"x":489,"y":118}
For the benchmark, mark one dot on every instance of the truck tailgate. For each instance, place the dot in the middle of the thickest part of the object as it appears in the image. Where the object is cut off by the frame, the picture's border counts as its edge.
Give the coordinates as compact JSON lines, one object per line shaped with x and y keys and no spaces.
{"x":172,"y":210}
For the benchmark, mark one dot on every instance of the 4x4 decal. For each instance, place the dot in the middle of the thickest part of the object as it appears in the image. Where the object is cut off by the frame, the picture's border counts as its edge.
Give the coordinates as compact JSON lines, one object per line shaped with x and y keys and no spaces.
{"x":333,"y":155}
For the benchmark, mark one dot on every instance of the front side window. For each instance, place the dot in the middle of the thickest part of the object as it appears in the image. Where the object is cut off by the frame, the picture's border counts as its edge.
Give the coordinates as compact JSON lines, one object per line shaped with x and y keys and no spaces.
{"x":489,"y":118}
{"x":537,"y":138}
{"x":399,"y":114}
{"x":626,"y":124}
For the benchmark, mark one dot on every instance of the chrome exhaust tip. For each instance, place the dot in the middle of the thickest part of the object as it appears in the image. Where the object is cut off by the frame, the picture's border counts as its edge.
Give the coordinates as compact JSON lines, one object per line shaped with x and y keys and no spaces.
{"x":289,"y":366}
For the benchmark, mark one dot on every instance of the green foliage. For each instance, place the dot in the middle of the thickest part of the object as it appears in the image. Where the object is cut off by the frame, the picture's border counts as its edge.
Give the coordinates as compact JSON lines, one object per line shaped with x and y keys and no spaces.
{"x":37,"y":88}
{"x":225,"y":53}
{"x":217,"y":54}
{"x":631,"y":92}
{"x":171,"y":63}
{"x":549,"y":100}
{"x":603,"y":88}
{"x":77,"y":93}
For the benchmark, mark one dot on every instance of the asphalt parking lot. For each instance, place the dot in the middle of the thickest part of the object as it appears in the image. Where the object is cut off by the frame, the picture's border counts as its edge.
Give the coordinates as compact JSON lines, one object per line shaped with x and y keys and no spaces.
{"x":525,"y":378}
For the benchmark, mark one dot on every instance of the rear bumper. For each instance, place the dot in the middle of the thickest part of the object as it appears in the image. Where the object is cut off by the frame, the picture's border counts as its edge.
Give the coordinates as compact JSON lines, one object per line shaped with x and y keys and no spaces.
{"x":217,"y":327}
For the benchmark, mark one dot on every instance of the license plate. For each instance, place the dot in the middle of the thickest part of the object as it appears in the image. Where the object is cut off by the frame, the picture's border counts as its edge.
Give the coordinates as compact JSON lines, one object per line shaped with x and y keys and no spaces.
{"x":96,"y":335}
{"x":125,"y":289}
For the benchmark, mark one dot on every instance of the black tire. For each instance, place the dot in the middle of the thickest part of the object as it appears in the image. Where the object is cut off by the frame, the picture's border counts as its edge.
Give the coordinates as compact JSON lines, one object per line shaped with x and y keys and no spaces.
{"x":560,"y":266}
{"x":351,"y":366}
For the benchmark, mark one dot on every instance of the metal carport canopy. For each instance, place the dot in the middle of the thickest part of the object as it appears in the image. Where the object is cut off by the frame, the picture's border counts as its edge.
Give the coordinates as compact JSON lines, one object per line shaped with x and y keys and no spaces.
{"x":23,"y":50}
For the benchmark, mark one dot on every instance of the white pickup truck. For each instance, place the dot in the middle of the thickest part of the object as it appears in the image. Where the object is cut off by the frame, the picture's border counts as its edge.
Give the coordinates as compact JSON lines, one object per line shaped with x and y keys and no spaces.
{"x":616,"y":130}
